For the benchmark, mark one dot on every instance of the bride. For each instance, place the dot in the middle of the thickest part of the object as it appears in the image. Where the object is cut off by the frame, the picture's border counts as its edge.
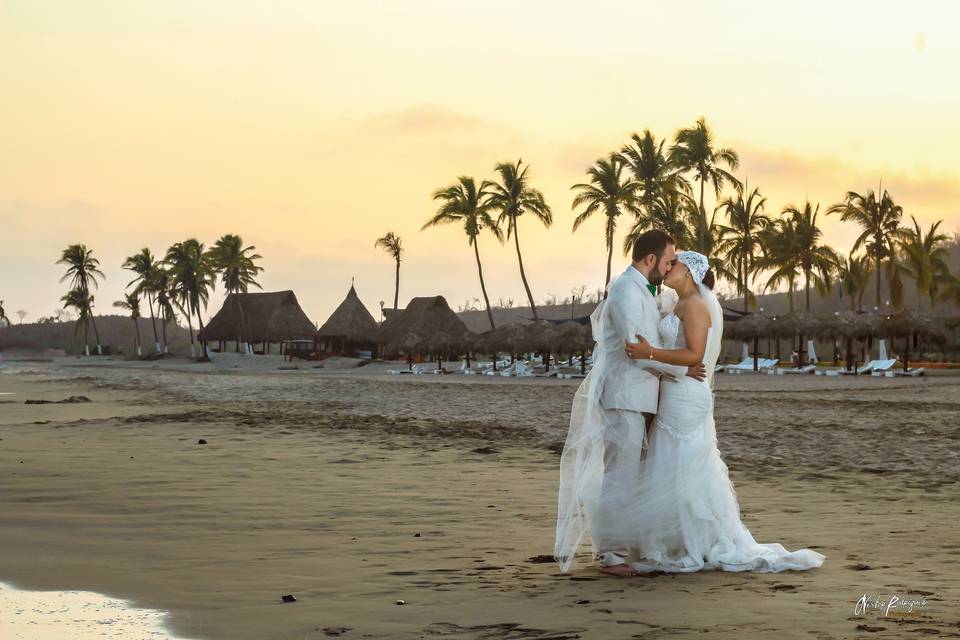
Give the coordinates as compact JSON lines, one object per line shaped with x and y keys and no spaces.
{"x":682,"y":514}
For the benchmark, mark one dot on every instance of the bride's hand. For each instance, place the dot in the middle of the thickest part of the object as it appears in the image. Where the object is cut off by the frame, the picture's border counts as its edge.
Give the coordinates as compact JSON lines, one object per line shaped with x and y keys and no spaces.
{"x":638,"y":350}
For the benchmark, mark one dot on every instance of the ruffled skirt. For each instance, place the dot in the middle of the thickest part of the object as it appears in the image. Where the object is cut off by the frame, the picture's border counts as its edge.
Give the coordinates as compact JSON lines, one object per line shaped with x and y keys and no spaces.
{"x":676,"y":510}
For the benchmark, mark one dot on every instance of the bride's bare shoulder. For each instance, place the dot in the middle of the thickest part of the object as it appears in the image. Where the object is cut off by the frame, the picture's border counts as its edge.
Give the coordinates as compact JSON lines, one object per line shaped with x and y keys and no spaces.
{"x":693,"y":308}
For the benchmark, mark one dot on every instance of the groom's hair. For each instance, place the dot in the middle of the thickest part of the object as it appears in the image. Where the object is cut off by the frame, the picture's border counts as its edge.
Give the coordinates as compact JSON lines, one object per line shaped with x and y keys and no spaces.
{"x":653,"y":241}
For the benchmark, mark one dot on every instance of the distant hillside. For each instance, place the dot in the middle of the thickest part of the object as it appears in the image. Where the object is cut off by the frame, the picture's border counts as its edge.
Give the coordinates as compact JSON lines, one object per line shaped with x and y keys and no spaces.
{"x":477,"y":320}
{"x":116,"y":331}
{"x":778,"y":302}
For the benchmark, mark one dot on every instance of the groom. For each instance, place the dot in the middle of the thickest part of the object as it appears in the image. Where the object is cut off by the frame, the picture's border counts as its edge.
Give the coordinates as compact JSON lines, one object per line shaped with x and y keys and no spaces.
{"x":631,"y":390}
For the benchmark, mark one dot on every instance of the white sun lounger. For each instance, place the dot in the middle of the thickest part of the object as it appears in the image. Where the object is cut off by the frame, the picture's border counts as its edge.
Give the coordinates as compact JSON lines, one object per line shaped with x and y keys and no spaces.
{"x":810,"y":368}
{"x":746,"y":366}
{"x":881,"y":367}
{"x":909,"y":373}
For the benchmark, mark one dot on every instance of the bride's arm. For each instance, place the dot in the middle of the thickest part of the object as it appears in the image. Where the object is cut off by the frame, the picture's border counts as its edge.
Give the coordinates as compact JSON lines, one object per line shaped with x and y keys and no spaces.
{"x":696,"y":323}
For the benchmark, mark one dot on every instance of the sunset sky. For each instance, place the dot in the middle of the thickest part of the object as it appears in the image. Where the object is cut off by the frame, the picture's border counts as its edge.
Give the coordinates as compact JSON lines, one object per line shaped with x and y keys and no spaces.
{"x":312,"y":127}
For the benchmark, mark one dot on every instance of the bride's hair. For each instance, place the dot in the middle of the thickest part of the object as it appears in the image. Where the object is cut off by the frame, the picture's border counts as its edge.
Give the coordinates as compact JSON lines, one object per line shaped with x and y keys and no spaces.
{"x":709,"y":279}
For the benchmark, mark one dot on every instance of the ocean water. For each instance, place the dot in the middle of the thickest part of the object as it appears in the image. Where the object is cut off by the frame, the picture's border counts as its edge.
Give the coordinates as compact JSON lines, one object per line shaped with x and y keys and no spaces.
{"x":76,"y":615}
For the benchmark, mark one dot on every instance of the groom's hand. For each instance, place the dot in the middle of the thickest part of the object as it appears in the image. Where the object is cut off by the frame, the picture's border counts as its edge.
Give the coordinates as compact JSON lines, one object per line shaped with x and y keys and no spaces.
{"x":697,"y":372}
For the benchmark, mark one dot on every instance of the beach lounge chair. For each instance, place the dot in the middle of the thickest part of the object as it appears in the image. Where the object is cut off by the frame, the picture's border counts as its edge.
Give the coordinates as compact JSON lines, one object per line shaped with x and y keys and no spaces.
{"x":398,"y":371}
{"x":746,"y":366}
{"x":810,"y":368}
{"x":508,"y":371}
{"x":909,"y":373}
{"x":868,"y":368}
{"x":881,"y":367}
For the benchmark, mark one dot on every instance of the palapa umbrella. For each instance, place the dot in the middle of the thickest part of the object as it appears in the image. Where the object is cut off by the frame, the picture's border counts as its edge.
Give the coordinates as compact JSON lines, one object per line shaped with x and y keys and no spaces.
{"x":793,"y":324}
{"x":750,"y":328}
{"x":510,"y":338}
{"x":849,"y":326}
{"x":441,"y":345}
{"x":575,"y":336}
{"x":540,"y":336}
{"x":912,"y":325}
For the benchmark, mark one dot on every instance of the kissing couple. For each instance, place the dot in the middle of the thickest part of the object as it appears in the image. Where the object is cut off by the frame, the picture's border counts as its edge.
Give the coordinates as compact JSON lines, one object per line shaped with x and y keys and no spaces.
{"x":641,"y":475}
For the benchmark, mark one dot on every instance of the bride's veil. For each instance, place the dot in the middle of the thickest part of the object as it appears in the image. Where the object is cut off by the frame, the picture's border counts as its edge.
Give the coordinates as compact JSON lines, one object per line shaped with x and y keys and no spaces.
{"x":712,"y":353}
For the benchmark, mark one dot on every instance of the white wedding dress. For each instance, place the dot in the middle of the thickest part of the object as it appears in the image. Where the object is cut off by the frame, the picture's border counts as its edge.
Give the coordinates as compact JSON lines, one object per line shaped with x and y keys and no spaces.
{"x":681,"y":514}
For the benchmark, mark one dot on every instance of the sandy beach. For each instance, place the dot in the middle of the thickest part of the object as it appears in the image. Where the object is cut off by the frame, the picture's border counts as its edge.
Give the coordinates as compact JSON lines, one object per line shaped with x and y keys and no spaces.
{"x":353,"y":490}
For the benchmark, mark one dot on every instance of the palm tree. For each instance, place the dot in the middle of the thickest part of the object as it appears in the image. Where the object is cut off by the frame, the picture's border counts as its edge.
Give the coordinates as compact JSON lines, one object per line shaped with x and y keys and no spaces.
{"x":235,"y":263}
{"x":238,"y":270}
{"x":671,"y":210}
{"x":778,"y":242}
{"x":512,"y":197}
{"x":82,"y":302}
{"x":192,"y":276}
{"x":131,"y":303}
{"x":609,"y":193}
{"x":392,"y":245}
{"x":693,"y":150}
{"x":21,"y":313}
{"x":854,"y":273}
{"x":880,"y":221}
{"x":464,"y":202}
{"x":740,"y":239}
{"x":817,"y":261}
{"x":925,"y":259}
{"x":147,"y":269}
{"x":651,"y":168}
{"x":82,"y":271}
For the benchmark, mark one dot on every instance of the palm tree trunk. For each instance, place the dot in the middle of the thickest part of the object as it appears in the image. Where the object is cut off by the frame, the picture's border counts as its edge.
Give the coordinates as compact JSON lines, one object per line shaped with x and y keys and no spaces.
{"x":163,"y":328}
{"x":396,"y":289}
{"x":136,"y":345}
{"x":483,"y":287}
{"x":193,"y":351}
{"x":702,"y":222}
{"x":743,"y":281}
{"x":153,"y":321}
{"x":523,"y":275}
{"x":806,"y":287}
{"x":96,"y":334}
{"x":203,"y":345}
{"x":877,"y":264}
{"x":609,"y":254}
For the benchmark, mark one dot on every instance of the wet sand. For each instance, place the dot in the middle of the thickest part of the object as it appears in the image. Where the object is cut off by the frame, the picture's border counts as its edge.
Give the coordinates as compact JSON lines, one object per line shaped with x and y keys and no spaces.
{"x":317,"y":483}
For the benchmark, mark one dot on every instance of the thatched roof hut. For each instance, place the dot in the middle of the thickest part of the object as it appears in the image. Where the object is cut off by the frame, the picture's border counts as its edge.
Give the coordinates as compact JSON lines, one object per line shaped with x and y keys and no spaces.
{"x":748,"y":327}
{"x":794,"y":323}
{"x":914,"y":326}
{"x":511,"y":338}
{"x":541,"y":335}
{"x":423,"y":318}
{"x":849,"y":324}
{"x":911,"y":323}
{"x":574,"y":336}
{"x":259,"y":317}
{"x":350,"y":325}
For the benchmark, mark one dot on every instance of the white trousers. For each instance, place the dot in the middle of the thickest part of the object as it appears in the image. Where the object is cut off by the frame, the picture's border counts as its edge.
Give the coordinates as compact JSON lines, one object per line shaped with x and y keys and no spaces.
{"x":623,"y":453}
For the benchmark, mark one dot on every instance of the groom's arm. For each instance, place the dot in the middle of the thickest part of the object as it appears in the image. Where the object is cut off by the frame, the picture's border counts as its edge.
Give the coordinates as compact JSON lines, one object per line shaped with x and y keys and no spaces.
{"x":628,"y":321}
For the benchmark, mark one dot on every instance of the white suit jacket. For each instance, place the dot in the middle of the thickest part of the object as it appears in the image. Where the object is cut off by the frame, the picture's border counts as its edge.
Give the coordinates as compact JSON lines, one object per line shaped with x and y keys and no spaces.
{"x":630,"y":308}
